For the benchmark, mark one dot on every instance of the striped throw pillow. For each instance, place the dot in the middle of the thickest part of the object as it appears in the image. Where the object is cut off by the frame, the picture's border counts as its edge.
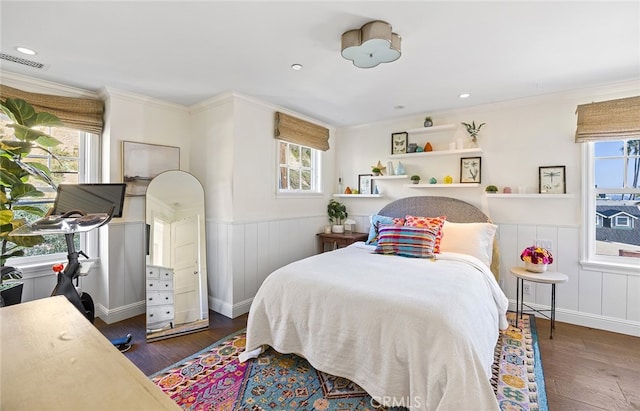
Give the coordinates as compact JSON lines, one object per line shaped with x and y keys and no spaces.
{"x":417,"y":242}
{"x":431,"y":222}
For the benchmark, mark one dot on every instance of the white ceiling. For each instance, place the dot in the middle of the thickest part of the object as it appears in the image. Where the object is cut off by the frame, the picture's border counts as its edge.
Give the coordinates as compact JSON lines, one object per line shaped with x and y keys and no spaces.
{"x":186,"y":52}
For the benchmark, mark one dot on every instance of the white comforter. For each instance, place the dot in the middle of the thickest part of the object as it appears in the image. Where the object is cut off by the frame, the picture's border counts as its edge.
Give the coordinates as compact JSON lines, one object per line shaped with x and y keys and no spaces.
{"x":411,"y":332}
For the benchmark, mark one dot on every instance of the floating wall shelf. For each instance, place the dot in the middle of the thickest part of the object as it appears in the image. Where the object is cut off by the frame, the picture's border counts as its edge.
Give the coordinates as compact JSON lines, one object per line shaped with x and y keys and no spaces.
{"x":532,"y":195}
{"x":432,"y":129}
{"x":475,"y":150}
{"x":358,"y":195}
{"x":454,"y":185}
{"x":399,"y":177}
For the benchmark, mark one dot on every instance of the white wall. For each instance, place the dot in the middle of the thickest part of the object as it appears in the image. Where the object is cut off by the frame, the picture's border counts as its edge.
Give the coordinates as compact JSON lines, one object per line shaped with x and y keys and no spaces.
{"x":519,"y":137}
{"x":250,"y":229}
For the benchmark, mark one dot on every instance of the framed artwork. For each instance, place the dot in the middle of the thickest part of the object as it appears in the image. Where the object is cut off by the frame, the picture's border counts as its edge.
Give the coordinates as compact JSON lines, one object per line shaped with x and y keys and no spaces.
{"x":551,"y":180}
{"x":470,"y":169}
{"x":141,"y":162}
{"x":399,"y":143}
{"x":365,"y":184}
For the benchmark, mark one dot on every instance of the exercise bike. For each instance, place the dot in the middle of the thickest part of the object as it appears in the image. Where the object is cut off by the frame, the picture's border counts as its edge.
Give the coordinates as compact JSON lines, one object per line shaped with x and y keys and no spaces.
{"x":100,"y":197}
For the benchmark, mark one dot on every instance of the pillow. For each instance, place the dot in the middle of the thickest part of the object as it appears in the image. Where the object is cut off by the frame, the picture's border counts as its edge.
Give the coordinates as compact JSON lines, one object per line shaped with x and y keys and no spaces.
{"x":475,"y":239}
{"x":377,"y":221}
{"x":430,"y":222}
{"x":417,"y":242}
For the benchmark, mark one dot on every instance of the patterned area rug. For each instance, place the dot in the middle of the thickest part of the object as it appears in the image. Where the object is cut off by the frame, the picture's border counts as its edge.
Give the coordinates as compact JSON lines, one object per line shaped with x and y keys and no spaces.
{"x":214,"y":379}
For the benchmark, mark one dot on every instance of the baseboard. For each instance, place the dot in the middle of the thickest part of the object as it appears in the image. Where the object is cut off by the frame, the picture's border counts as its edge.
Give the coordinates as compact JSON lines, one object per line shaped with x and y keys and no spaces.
{"x":229,"y":310}
{"x":599,"y":322}
{"x":120,"y":313}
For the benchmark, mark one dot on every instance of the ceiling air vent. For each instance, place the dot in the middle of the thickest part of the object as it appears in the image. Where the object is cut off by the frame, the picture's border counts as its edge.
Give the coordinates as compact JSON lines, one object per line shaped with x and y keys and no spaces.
{"x":22,"y":61}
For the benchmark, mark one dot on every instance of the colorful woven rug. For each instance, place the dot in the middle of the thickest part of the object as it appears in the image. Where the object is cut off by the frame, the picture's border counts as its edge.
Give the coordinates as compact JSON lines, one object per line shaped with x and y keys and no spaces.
{"x":214,"y":379}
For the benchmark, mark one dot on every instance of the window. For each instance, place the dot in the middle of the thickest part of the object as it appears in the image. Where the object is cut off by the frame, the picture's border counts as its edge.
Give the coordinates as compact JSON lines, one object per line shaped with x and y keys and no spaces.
{"x":74,"y":161}
{"x":623,"y":221}
{"x":612,"y":191}
{"x":299,"y":168}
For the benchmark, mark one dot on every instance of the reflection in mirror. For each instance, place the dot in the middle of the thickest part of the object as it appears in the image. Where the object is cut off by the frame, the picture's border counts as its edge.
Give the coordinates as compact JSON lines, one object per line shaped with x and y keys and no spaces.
{"x":176,"y":271}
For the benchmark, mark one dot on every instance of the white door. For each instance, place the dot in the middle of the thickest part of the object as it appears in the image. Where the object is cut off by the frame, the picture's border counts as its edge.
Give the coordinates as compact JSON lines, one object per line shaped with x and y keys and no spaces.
{"x":186,"y":267}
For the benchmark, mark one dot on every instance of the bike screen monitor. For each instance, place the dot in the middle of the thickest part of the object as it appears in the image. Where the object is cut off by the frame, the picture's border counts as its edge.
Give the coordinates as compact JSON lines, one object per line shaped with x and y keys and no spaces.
{"x":90,"y":198}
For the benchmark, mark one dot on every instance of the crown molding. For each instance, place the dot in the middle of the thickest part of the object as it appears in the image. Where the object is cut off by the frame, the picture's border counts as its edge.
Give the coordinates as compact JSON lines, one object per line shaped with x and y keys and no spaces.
{"x":34,"y":85}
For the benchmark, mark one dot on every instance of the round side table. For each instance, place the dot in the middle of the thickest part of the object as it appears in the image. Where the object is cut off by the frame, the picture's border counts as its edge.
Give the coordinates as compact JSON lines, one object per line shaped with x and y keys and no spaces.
{"x":548,"y":277}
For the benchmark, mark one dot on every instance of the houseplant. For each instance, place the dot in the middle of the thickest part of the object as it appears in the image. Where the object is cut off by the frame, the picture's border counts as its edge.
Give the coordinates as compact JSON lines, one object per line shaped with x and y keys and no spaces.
{"x":16,"y":170}
{"x":473,"y":130}
{"x":375,"y":171}
{"x":337,"y":214}
{"x":491,"y":189}
{"x":415,"y":179}
{"x":536,"y":259}
{"x":428,"y":122}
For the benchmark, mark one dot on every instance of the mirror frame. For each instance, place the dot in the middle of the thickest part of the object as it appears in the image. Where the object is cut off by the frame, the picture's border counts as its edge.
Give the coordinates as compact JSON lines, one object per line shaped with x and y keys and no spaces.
{"x":177,"y":197}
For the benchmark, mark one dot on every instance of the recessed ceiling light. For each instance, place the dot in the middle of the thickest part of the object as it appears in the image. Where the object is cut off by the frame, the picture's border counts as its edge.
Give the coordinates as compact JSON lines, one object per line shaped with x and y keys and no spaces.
{"x":296,"y":67}
{"x":464,"y":95}
{"x":25,"y":50}
{"x":399,"y":107}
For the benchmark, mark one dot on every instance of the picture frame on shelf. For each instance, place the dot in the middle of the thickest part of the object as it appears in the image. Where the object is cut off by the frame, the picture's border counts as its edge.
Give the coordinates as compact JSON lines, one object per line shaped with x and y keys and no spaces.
{"x":552,"y":180}
{"x":399,"y":142}
{"x":471,"y":170}
{"x":365,"y":184}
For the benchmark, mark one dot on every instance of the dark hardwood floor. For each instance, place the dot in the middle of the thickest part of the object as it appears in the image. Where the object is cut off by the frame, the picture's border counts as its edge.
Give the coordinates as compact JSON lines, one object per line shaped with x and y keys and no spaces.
{"x":585,"y":369}
{"x":155,"y":356}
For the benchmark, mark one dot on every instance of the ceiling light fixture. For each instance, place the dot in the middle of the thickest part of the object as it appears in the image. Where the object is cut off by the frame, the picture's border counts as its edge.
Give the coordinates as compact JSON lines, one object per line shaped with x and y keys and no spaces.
{"x":296,"y":67}
{"x":464,"y":95}
{"x":370,"y":45}
{"x":25,"y":50}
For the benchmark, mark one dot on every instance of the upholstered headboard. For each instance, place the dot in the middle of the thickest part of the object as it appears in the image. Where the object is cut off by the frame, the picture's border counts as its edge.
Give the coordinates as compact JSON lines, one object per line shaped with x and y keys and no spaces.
{"x":456,"y":211}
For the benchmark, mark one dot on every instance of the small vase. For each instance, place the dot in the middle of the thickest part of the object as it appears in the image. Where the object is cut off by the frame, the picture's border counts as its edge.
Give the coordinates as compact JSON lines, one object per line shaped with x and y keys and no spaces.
{"x":535,"y":268}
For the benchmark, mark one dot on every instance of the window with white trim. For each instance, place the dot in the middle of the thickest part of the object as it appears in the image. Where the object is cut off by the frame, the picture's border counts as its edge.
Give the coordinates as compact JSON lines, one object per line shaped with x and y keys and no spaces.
{"x":74,"y":161}
{"x":611,"y":191}
{"x":298,"y":168}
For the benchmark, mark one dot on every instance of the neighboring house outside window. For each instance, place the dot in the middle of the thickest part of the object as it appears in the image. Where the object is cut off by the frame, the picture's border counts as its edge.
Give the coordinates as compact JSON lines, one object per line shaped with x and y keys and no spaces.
{"x":612,"y":194}
{"x":298,"y":169}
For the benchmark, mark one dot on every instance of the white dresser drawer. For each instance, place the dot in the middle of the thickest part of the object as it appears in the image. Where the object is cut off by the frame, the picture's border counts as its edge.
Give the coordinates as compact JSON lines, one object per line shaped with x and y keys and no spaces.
{"x":159,"y":298}
{"x":153,"y":285}
{"x":153,"y":273}
{"x":166,"y":274}
{"x":158,"y":315}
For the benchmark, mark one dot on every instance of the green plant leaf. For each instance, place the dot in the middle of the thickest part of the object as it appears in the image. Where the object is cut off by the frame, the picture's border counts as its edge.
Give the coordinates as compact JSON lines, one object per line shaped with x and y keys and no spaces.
{"x":15,"y":148}
{"x":8,"y":179}
{"x":37,"y":211}
{"x":23,"y":190}
{"x":47,"y":120}
{"x":26,"y":240}
{"x":6,"y":216}
{"x":23,"y":112}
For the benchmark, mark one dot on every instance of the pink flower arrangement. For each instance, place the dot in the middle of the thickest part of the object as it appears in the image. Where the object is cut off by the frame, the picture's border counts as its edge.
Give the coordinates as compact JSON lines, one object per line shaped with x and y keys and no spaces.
{"x":536,"y":255}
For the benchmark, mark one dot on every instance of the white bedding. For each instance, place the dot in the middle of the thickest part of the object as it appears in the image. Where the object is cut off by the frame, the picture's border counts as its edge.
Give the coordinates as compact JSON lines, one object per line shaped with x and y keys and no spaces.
{"x":412,"y":332}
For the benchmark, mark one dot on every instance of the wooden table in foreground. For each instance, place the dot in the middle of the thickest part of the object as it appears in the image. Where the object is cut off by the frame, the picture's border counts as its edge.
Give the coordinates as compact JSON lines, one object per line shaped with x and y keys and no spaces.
{"x":51,"y":357}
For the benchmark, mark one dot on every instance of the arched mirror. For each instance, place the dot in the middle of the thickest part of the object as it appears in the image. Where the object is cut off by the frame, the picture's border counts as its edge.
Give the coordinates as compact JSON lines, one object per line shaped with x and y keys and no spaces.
{"x":176,"y":264}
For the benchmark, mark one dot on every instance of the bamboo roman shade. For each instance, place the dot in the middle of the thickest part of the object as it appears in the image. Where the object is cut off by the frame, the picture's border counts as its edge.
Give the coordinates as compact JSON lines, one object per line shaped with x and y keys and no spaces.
{"x":78,"y":113}
{"x":297,"y":131}
{"x":609,"y":120}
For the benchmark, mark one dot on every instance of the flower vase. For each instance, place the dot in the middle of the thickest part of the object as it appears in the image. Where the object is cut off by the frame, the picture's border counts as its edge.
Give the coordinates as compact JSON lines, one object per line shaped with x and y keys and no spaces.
{"x":535,"y":268}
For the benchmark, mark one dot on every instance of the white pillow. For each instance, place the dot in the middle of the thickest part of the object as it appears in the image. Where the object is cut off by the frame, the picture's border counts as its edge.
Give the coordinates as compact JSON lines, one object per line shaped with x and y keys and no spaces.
{"x":475,"y":239}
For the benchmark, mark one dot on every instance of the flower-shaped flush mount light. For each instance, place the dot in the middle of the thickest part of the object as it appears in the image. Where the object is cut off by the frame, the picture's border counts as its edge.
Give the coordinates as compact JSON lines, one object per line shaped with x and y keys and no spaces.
{"x":370,"y":45}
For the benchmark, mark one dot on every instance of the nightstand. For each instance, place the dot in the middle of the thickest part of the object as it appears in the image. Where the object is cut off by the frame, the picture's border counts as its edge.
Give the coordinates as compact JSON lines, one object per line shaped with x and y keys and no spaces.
{"x":548,"y":277}
{"x":339,"y":240}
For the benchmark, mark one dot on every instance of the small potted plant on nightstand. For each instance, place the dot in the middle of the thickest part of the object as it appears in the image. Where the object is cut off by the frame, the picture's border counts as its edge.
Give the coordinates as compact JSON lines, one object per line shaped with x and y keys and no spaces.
{"x":337,"y":214}
{"x":415,"y":179}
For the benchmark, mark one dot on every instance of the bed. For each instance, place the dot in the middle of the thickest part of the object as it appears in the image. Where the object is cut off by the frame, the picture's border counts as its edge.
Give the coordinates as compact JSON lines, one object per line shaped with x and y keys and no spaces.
{"x":414,"y":332}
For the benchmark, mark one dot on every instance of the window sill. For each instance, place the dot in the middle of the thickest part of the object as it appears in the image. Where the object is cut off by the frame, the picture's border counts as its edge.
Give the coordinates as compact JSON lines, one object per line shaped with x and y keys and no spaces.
{"x":298,"y":195}
{"x":611,"y":267}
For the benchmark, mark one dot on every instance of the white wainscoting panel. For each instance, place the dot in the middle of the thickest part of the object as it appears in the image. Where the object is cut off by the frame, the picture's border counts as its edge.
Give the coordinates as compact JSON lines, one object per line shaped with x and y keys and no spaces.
{"x":590,"y":298}
{"x":242,"y":255}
